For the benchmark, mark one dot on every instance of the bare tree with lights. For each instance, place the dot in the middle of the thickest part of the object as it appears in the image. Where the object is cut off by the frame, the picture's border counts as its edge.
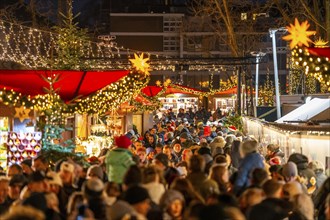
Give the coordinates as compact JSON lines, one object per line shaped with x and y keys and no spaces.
{"x":233,"y":22}
{"x":315,"y":11}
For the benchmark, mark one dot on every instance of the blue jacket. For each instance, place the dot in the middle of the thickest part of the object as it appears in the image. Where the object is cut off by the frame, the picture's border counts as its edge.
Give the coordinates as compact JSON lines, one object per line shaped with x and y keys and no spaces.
{"x":247,"y":165}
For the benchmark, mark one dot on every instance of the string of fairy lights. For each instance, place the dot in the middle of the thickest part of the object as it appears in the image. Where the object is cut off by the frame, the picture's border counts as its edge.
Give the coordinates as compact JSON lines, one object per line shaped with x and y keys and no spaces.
{"x":104,"y":100}
{"x":33,"y":48}
{"x":317,"y":66}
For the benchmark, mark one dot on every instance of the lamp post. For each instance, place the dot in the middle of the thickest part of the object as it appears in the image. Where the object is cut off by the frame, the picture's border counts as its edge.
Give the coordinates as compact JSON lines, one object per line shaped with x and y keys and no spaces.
{"x":272,"y":33}
{"x":258,"y":56}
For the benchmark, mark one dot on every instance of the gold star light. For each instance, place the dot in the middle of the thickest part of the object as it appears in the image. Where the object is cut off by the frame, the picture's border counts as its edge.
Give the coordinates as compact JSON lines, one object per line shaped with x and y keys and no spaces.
{"x":320,"y":43}
{"x":21,"y":113}
{"x":141,"y":64}
{"x":299,"y":34}
{"x":167,"y":82}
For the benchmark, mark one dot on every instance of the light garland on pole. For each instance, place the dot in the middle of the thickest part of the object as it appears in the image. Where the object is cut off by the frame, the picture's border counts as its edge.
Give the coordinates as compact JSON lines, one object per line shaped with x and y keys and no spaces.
{"x":318,"y":67}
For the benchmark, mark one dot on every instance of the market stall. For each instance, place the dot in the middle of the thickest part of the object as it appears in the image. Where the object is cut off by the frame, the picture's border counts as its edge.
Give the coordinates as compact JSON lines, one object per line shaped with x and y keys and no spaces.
{"x":59,"y":99}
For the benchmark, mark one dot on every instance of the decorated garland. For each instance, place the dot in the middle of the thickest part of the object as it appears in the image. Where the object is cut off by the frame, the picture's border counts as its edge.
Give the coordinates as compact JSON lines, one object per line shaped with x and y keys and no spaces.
{"x":104,"y":100}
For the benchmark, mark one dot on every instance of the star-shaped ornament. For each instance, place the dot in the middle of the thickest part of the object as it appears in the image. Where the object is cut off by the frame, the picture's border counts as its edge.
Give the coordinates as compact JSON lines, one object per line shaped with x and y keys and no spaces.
{"x":299,"y":34}
{"x":22,"y":113}
{"x":320,"y":43}
{"x":141,"y":64}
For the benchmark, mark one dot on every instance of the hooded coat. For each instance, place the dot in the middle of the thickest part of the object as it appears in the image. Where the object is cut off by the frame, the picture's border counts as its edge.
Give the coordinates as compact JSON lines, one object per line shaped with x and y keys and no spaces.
{"x":117,"y":163}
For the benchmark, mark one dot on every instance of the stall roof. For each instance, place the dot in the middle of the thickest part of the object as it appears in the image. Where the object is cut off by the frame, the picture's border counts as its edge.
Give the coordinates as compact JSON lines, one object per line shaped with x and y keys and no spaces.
{"x":71,"y":84}
{"x":307,"y":111}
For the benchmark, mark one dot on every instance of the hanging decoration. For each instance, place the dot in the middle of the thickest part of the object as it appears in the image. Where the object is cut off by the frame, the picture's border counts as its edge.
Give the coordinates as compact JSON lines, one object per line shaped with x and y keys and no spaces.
{"x":141,"y":64}
{"x":299,"y":35}
{"x":22,"y":113}
{"x":314,"y":63}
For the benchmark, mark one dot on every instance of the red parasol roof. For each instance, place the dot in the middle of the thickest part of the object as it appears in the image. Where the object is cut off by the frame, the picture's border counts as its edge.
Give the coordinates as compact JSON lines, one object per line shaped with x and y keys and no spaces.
{"x":70,"y":84}
{"x":180,"y":89}
{"x":231,"y":91}
{"x":151,"y":91}
{"x":320,"y":52}
{"x":154,"y":90}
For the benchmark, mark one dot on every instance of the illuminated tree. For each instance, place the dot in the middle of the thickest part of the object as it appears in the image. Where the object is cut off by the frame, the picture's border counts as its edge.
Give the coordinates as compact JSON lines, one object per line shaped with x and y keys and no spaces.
{"x":72,"y":43}
{"x":267,"y":93}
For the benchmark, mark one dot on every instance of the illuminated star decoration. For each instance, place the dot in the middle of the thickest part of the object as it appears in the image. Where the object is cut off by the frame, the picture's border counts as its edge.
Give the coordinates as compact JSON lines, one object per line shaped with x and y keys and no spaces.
{"x":320,"y":43}
{"x":298,"y":34}
{"x":141,"y":64}
{"x":21,"y":113}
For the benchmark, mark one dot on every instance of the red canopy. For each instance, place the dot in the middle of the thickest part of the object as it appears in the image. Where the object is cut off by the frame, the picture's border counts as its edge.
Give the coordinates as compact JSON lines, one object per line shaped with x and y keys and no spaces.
{"x":154,"y":90}
{"x":180,"y":89}
{"x":151,"y":91}
{"x":320,"y":52}
{"x":70,"y":84}
{"x":231,"y":91}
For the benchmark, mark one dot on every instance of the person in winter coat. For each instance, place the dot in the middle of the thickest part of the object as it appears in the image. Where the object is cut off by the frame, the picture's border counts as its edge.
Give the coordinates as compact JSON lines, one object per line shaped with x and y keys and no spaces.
{"x":172,"y":204}
{"x":119,"y":159}
{"x":274,"y":151}
{"x":185,"y":140}
{"x":307,"y":175}
{"x":217,"y":142}
{"x":251,"y":160}
{"x":151,"y":180}
{"x":235,"y":153}
{"x":318,"y":168}
{"x":161,"y":162}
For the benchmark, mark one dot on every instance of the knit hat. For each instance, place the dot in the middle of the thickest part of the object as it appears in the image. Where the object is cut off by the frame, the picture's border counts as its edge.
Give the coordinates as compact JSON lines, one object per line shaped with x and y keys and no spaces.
{"x":184,"y":135}
{"x":168,"y":197}
{"x":300,"y":160}
{"x":149,"y":150}
{"x":289,"y":170}
{"x":136,"y":194}
{"x":163,"y":158}
{"x":123,"y":141}
{"x":54,"y":178}
{"x":66,"y":166}
{"x":95,"y":170}
{"x":275,"y":161}
{"x":232,"y":128}
{"x":93,"y":187}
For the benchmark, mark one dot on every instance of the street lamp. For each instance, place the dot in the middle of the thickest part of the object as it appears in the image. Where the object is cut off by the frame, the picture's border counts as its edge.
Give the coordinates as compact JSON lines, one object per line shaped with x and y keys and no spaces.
{"x":272,"y":32}
{"x":258,"y":56}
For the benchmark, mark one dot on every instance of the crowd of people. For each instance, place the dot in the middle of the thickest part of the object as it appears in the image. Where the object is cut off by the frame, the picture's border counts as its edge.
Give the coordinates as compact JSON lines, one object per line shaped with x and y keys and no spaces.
{"x":181,"y":168}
